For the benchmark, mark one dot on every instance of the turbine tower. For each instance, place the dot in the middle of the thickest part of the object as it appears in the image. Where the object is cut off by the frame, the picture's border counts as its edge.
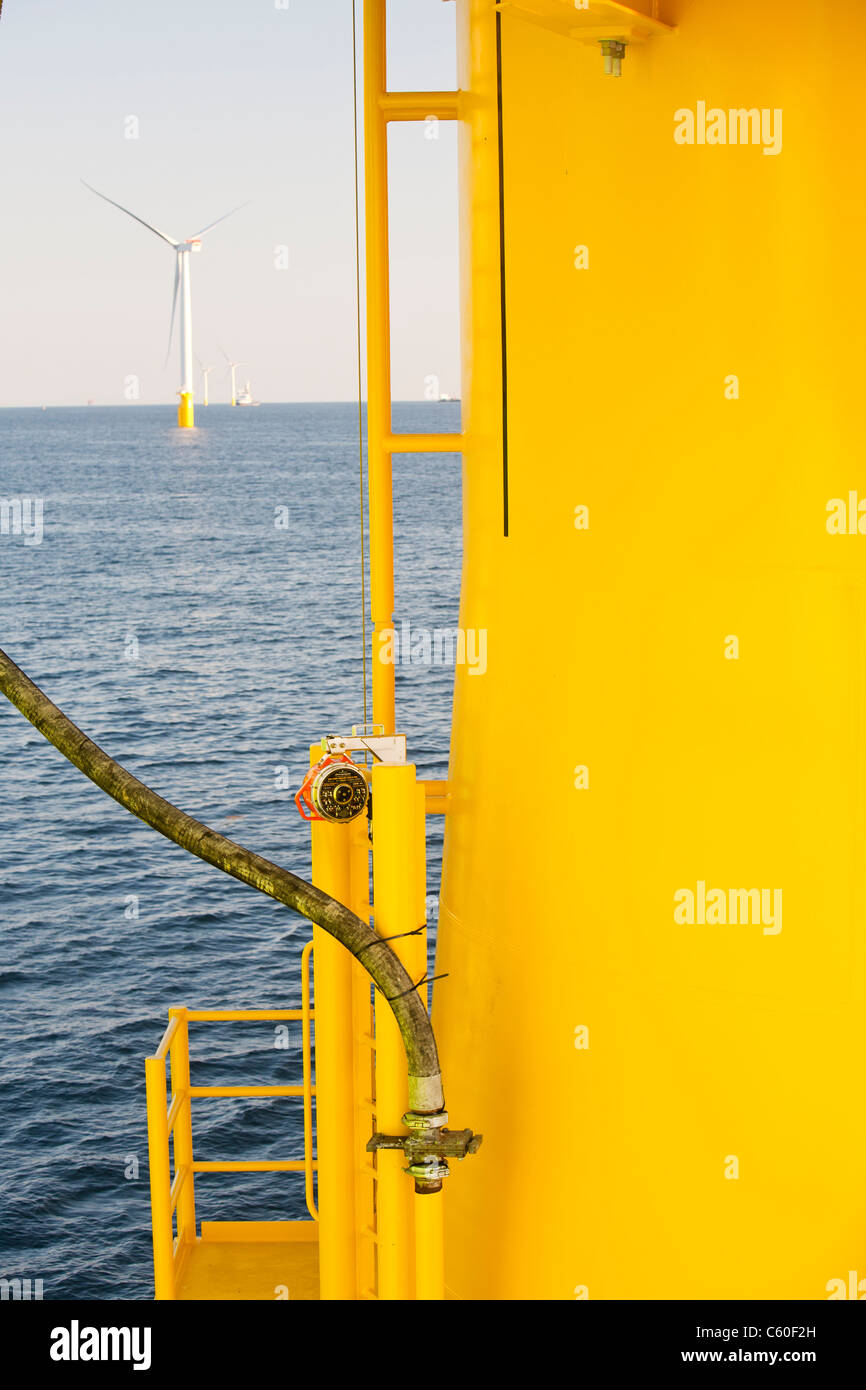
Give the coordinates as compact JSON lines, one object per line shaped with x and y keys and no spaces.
{"x":205,"y":373}
{"x":183,"y":250}
{"x":232,"y":367}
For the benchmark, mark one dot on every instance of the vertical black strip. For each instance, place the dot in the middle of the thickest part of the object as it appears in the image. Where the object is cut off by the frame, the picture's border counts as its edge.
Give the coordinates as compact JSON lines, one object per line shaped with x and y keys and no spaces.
{"x":502,"y":277}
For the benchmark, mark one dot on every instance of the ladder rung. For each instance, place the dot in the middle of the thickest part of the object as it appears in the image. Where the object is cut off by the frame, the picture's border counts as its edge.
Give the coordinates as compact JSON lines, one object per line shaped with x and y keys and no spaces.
{"x":417,"y":106}
{"x":424,"y":443}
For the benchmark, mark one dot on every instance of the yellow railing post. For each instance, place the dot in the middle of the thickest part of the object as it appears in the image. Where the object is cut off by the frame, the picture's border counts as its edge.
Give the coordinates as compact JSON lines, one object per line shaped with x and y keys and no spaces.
{"x":428,"y":1213}
{"x":378,"y":358}
{"x":429,"y":1247}
{"x":397,"y":907}
{"x":335,"y":1069}
{"x":179,"y":1054}
{"x":364,"y":1081}
{"x":160,"y":1178}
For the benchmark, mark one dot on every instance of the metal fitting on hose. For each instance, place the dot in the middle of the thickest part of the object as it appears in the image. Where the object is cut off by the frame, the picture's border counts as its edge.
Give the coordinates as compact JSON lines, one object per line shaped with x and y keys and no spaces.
{"x":428,"y":1146}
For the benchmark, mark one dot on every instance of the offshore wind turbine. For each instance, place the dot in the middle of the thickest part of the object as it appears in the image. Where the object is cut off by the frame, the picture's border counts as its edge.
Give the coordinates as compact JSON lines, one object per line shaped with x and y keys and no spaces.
{"x":183,"y":250}
{"x":232,"y":367}
{"x":205,"y":372}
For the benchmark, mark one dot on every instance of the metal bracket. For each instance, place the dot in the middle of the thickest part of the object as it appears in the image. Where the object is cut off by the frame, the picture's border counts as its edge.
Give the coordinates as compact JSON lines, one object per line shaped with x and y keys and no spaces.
{"x":370,"y":738}
{"x":592,"y":20}
{"x":614,"y":52}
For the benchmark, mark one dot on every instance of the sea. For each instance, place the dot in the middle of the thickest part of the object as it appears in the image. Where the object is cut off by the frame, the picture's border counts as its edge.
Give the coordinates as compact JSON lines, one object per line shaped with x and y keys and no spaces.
{"x":193,"y":601}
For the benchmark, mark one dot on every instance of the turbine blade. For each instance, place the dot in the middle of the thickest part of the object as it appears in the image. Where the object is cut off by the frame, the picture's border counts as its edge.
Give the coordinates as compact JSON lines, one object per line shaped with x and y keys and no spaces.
{"x":196,"y":235}
{"x":173,"y":308}
{"x":170,"y":239}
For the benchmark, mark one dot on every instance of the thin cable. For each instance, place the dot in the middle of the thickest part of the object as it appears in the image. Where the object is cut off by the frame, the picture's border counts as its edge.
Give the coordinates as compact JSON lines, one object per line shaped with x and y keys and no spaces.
{"x":427,"y":980}
{"x":358,"y":312}
{"x":399,"y":937}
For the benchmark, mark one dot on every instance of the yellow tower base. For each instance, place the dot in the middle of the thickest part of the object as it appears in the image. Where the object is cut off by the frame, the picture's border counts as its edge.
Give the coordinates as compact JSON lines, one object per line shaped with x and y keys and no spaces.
{"x":185,"y":411}
{"x":673,"y":707}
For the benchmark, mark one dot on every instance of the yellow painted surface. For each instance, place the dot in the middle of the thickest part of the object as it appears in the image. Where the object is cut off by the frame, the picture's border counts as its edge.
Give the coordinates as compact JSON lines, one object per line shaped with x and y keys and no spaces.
{"x":429,"y":1247}
{"x":186,"y":1267}
{"x":379,"y":476}
{"x":589,"y":20}
{"x":160,"y":1178}
{"x":335,"y":1064}
{"x":398,"y":860}
{"x":186,"y":411}
{"x":256,"y":1260}
{"x":609,"y":1168}
{"x":341,"y":867}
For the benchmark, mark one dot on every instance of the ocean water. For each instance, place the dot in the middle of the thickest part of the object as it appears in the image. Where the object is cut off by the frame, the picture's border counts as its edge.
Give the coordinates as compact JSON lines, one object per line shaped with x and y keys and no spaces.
{"x":204,"y":647}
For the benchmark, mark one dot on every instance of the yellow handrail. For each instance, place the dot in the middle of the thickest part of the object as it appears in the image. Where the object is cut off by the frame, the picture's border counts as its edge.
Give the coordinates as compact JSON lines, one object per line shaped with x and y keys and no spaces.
{"x":184,"y":1197}
{"x":180,"y":1177}
{"x":250,"y":1165}
{"x":246,"y":1015}
{"x":162,"y":1209}
{"x":233,"y":1092}
{"x":173,"y":1195}
{"x":167,"y":1039}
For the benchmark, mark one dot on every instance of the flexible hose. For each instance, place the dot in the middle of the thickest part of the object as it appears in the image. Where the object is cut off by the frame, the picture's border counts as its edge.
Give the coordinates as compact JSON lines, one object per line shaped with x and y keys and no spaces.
{"x":381,"y":963}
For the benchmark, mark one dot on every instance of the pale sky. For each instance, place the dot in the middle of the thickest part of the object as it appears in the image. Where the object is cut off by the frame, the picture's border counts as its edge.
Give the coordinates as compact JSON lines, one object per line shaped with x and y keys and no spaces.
{"x":231,"y":100}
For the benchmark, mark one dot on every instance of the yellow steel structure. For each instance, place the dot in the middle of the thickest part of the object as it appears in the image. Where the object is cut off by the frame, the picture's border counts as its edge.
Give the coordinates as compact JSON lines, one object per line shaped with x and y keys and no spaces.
{"x":408,"y":1228}
{"x":381,"y":107}
{"x":227,"y":1259}
{"x":676,"y":676}
{"x":341,"y":868}
{"x":399,"y":894}
{"x":186,"y":411}
{"x":651,"y":915}
{"x":370,"y":1236}
{"x":367,"y":1210}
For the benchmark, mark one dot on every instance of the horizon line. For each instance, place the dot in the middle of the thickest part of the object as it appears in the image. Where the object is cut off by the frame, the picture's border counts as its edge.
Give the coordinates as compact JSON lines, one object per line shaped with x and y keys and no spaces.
{"x":168,"y":405}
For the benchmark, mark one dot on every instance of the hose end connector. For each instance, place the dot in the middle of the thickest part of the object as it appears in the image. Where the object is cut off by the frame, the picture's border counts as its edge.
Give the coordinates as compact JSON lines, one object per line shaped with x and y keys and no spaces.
{"x":428,"y":1146}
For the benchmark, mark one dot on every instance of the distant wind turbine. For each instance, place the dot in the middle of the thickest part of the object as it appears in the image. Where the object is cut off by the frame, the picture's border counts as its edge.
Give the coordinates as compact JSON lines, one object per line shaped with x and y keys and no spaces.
{"x":182,"y":250}
{"x":232,"y":367}
{"x":205,"y":372}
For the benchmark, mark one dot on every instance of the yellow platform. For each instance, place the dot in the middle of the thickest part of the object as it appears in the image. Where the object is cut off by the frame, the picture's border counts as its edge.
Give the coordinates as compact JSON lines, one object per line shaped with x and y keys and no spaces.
{"x":251,"y":1260}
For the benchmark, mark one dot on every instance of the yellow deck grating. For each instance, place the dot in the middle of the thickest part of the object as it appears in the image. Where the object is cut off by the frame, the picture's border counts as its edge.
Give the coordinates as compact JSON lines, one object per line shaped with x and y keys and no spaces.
{"x":251,"y":1260}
